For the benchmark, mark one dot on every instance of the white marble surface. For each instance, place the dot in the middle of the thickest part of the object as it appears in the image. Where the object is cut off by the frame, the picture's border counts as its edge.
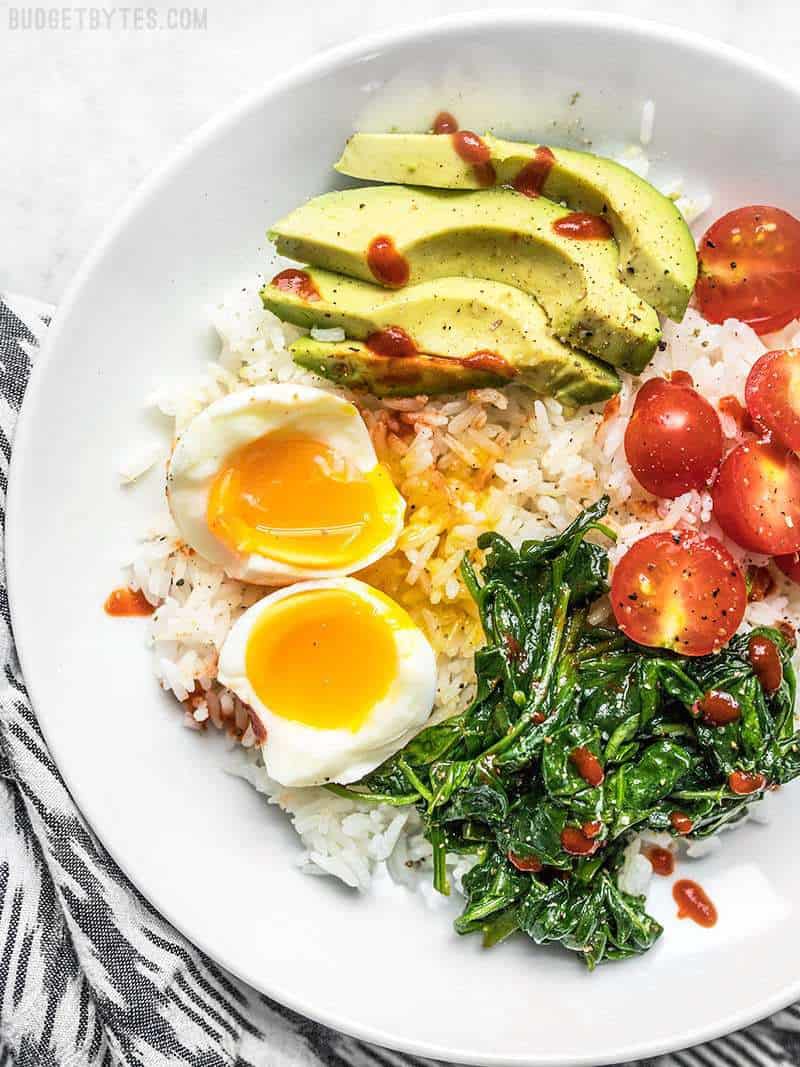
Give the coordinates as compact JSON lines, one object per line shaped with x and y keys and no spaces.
{"x":88,"y":112}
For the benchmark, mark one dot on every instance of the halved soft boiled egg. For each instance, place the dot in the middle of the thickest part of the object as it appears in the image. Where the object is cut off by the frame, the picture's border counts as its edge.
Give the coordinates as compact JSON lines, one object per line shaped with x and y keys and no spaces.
{"x":335,"y":672}
{"x":281,"y":482}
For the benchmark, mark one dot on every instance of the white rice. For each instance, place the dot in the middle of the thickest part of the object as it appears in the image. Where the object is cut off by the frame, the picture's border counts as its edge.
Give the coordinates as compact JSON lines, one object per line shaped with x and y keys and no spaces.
{"x":484,"y":460}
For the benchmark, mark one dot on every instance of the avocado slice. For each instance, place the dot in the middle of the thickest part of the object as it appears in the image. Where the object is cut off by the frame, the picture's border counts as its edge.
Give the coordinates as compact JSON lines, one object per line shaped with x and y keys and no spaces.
{"x":657,"y":252}
{"x":580,"y":380}
{"x":495,"y":234}
{"x":353,"y":365}
{"x":444,"y":317}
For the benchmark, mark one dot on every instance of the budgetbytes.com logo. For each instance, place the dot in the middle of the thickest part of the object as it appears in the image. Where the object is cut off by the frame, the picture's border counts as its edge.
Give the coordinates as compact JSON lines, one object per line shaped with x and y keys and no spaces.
{"x":107,"y":18}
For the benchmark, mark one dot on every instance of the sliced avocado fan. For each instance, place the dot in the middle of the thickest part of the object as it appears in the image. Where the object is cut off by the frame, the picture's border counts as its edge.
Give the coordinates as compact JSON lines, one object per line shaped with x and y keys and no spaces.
{"x":353,"y":365}
{"x":455,"y":318}
{"x":497,"y":235}
{"x":657,"y":252}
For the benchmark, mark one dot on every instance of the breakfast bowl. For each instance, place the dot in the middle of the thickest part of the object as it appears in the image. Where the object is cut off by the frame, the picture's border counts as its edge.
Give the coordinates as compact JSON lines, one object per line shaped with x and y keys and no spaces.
{"x":709,"y":126}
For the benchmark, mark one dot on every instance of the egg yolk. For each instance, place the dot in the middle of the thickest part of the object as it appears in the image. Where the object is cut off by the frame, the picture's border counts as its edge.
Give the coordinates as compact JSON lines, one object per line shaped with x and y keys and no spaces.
{"x":299,"y":501}
{"x":323,"y":658}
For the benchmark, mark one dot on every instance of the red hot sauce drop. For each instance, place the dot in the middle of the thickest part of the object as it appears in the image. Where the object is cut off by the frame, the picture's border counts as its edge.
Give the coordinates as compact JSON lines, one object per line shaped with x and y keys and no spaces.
{"x":531,"y":178}
{"x":766,"y":662}
{"x":296,"y":281}
{"x":661,"y":860}
{"x":393,"y":342}
{"x":731,"y":406}
{"x":745,"y":782}
{"x":386,"y":263}
{"x":128,"y":602}
{"x":717,"y":708}
{"x":681,"y":823}
{"x":693,"y":903}
{"x":581,"y":226}
{"x":474,"y":150}
{"x":525,"y":863}
{"x":587,"y":765}
{"x":576,"y":843}
{"x":682,"y":377}
{"x":491,"y":362}
{"x":444,"y":123}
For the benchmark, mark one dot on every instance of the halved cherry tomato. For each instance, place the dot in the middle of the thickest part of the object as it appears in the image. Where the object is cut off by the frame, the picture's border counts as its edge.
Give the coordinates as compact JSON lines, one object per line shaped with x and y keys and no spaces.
{"x":772,"y":394}
{"x":757,"y":498}
{"x":750,"y":268}
{"x":678,"y":590}
{"x":674,"y":438}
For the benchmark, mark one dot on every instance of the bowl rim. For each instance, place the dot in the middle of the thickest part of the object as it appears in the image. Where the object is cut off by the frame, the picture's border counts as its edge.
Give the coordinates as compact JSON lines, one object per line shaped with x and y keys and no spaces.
{"x":313,"y":67}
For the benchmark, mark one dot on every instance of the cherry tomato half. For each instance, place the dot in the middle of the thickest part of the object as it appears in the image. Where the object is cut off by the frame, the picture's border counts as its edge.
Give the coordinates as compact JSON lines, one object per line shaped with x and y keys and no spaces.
{"x":772,"y":394}
{"x":674,"y":438}
{"x":750,"y":268}
{"x":757,"y":498}
{"x":678,"y":590}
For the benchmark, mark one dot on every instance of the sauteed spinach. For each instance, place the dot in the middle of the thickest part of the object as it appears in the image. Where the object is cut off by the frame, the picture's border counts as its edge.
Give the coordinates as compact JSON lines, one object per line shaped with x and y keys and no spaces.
{"x":575,"y":738}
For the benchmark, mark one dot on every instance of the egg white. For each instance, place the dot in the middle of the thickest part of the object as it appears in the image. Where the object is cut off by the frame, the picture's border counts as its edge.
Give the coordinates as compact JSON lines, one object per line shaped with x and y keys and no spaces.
{"x":296,"y":754}
{"x":240,"y":418}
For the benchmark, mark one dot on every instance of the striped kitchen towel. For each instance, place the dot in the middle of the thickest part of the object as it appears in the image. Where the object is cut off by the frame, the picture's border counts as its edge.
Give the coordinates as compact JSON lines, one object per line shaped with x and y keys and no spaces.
{"x":90,"y":974}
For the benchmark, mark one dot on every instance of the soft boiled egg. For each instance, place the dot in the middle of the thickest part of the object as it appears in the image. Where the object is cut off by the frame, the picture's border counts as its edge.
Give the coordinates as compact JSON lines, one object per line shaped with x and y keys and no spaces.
{"x":281,"y":482}
{"x":336,"y":673}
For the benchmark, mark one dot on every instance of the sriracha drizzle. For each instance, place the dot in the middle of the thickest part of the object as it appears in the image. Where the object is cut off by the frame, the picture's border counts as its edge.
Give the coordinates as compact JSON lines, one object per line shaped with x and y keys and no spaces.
{"x":681,"y":822}
{"x":474,"y":150}
{"x":661,"y":860}
{"x":296,"y":281}
{"x":525,"y":863}
{"x":745,"y":782}
{"x":393,"y":343}
{"x":766,"y":662}
{"x":717,"y":708}
{"x":491,"y":362}
{"x":693,"y":903}
{"x":581,"y":226}
{"x":576,"y":843}
{"x":444,"y":123}
{"x":587,"y":765}
{"x":386,"y":263}
{"x":128,"y":602}
{"x":531,"y":178}
{"x":732,"y":407}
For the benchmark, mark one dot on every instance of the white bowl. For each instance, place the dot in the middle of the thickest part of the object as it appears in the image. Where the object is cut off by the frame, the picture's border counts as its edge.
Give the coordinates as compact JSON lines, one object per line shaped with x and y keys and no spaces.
{"x":202,"y":846}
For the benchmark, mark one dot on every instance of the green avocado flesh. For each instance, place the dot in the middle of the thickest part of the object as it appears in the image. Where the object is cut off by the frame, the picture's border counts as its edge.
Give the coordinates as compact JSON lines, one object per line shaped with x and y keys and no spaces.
{"x":352,"y":365}
{"x":657,"y":257}
{"x":580,"y":380}
{"x":497,"y":235}
{"x":454,"y":318}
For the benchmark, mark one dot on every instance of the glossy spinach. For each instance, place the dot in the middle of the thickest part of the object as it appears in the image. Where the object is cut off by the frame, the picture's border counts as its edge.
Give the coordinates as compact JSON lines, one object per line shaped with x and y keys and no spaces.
{"x":500,"y":780}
